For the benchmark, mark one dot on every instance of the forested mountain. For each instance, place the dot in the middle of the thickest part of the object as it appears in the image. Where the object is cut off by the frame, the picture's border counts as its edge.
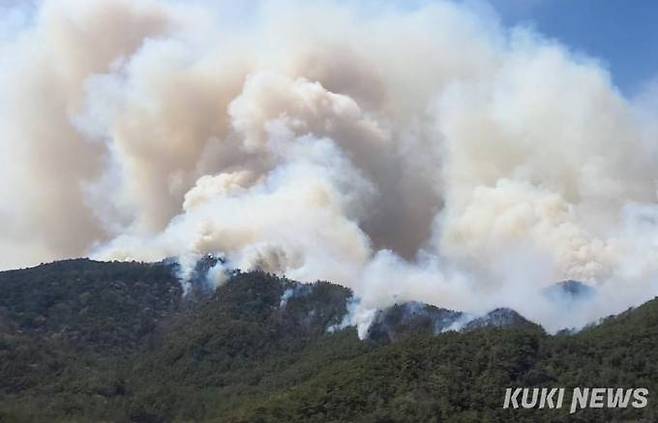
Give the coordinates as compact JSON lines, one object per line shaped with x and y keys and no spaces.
{"x":91,"y":341}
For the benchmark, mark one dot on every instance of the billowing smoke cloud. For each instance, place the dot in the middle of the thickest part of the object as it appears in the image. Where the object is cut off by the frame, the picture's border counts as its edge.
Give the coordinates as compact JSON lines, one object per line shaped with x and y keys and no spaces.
{"x":426,"y":154}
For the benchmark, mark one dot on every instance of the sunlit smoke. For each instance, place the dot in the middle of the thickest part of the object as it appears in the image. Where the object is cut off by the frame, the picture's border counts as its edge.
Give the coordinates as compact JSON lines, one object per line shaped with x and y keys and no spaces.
{"x":426,"y":154}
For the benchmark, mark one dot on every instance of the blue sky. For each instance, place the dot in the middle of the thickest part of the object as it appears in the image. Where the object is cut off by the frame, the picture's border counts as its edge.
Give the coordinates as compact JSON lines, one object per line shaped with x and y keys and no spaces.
{"x":623,"y":34}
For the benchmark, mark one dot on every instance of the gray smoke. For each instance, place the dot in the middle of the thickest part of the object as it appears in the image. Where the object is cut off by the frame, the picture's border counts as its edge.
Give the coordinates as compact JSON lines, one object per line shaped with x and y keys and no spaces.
{"x":419,"y":155}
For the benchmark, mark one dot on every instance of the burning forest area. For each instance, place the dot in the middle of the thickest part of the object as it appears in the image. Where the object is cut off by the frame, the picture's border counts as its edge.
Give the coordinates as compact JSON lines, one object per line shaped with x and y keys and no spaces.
{"x":287,"y":211}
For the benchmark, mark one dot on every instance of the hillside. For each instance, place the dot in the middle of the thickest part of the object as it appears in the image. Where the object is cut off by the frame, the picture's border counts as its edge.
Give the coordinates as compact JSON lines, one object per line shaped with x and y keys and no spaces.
{"x":89,"y":341}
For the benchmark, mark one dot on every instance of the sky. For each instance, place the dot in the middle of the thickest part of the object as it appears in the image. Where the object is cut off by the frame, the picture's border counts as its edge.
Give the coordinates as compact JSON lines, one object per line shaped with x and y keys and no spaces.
{"x":622,"y":34}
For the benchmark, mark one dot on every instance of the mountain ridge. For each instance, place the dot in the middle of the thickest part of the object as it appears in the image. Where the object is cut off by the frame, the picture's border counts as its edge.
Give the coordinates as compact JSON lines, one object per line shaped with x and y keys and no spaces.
{"x":92,"y":341}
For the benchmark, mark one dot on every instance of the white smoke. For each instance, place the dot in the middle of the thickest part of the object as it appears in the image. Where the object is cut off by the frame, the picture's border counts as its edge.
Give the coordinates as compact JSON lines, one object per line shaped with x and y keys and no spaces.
{"x":426,"y":154}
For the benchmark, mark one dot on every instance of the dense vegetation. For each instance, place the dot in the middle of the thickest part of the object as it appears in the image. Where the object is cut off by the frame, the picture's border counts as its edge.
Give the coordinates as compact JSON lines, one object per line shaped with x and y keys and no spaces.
{"x":89,"y":341}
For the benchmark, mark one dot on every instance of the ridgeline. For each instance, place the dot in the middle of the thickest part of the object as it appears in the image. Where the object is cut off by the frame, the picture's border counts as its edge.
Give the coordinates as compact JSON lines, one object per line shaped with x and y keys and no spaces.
{"x":90,"y":341}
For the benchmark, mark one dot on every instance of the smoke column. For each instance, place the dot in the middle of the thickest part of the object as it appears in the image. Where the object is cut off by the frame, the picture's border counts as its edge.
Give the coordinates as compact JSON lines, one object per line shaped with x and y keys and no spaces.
{"x":427,"y":154}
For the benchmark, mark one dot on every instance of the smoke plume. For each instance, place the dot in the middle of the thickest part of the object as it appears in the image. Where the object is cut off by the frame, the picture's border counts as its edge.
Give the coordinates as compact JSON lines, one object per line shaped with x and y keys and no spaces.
{"x":428,"y":154}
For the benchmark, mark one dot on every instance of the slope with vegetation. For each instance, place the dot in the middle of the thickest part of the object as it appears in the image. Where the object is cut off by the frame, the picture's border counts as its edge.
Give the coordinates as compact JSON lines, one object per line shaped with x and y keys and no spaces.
{"x":89,"y":341}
